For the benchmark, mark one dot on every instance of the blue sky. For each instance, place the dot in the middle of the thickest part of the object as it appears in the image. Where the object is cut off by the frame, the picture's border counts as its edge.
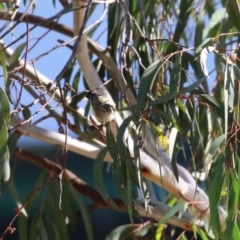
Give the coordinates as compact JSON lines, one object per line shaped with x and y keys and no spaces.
{"x":51,"y":64}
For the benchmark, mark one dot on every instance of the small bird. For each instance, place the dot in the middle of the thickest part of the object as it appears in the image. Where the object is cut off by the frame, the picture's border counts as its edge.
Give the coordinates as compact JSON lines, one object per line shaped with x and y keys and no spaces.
{"x":103,"y":108}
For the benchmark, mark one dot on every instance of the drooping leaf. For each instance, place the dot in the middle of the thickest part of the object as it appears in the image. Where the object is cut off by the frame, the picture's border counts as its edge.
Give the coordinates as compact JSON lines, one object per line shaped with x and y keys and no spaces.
{"x":98,"y":178}
{"x":26,"y":112}
{"x":3,"y":146}
{"x":203,"y":59}
{"x":35,"y":226}
{"x":228,"y":96}
{"x":216,"y":18}
{"x":12,"y":141}
{"x":173,"y":210}
{"x":14,"y":192}
{"x":121,"y":232}
{"x":217,"y":142}
{"x":15,"y":56}
{"x":175,"y":79}
{"x":215,"y":187}
{"x":4,"y":107}
{"x":4,"y":67}
{"x":146,"y":83}
{"x":23,"y":227}
{"x":84,"y":214}
{"x":122,"y":133}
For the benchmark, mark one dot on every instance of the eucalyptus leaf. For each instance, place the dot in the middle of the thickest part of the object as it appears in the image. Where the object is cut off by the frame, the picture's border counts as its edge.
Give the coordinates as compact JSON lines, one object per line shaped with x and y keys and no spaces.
{"x":146,"y":83}
{"x":122,"y":131}
{"x":4,"y":107}
{"x":4,"y":67}
{"x":121,"y":232}
{"x":14,"y":60}
{"x":215,"y":187}
{"x":98,"y":178}
{"x":173,"y":210}
{"x":203,"y":58}
{"x":217,"y":142}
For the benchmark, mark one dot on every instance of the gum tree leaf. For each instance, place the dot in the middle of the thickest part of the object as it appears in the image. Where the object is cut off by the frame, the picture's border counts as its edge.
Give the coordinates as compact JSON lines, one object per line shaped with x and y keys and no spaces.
{"x":98,"y":178}
{"x":216,"y":143}
{"x":14,"y":60}
{"x":4,"y":67}
{"x":146,"y":83}
{"x":4,"y":107}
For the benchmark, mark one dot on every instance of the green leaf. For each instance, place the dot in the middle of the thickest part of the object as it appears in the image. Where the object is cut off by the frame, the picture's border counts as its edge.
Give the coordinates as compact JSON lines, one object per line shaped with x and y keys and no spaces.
{"x":69,"y":203}
{"x":122,"y":232}
{"x":175,"y":79}
{"x":199,"y":28}
{"x":173,"y":210}
{"x":194,"y":85}
{"x":236,"y":232}
{"x":12,"y":140}
{"x":23,"y":227}
{"x":217,"y":142}
{"x":98,"y":178}
{"x":228,"y":233}
{"x":164,"y":99}
{"x":216,"y":106}
{"x":111,"y":144}
{"x":2,"y":7}
{"x":121,"y":132}
{"x":228,"y":95}
{"x":200,"y":232}
{"x":129,"y":196}
{"x":58,"y":215}
{"x":206,"y":43}
{"x":26,"y":112}
{"x":14,"y":60}
{"x":217,"y":177}
{"x":232,"y":8}
{"x":217,"y":17}
{"x":14,"y":192}
{"x":4,"y":67}
{"x":119,"y":173}
{"x":85,"y":215}
{"x":233,"y":196}
{"x":146,"y":83}
{"x":4,"y":107}
{"x":3,"y":147}
{"x":35,"y":226}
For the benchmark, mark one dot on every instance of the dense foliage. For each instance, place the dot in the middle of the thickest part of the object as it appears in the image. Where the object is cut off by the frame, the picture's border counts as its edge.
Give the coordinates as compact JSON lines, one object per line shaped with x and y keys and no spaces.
{"x":172,"y":68}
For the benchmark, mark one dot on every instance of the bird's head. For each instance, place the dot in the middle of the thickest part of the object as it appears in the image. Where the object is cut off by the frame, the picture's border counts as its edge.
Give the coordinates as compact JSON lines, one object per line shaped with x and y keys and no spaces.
{"x":90,"y":94}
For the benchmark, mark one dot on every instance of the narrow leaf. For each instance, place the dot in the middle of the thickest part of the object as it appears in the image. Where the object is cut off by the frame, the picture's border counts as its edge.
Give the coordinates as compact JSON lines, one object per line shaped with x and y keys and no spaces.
{"x":215,"y":187}
{"x":146,"y":83}
{"x":175,"y":79}
{"x":203,"y":58}
{"x":4,"y":107}
{"x":173,"y":210}
{"x":4,"y":67}
{"x":98,"y":178}
{"x":3,"y":146}
{"x":215,"y":145}
{"x":15,"y":57}
{"x":121,"y":133}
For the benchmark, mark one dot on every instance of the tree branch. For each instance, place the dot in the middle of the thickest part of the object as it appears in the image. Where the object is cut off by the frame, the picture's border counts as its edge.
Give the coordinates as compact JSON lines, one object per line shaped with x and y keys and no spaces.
{"x":98,"y":202}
